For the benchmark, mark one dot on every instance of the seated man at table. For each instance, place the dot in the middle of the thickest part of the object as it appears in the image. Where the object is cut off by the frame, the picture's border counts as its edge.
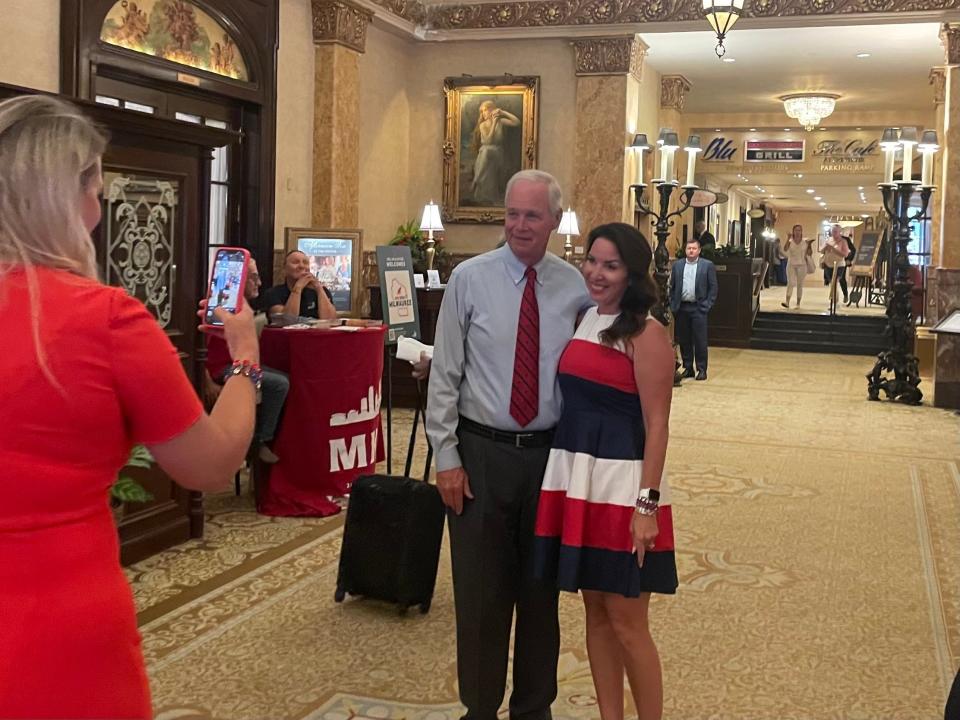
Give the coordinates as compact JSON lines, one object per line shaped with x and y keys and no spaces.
{"x":273,"y":388}
{"x":299,"y":295}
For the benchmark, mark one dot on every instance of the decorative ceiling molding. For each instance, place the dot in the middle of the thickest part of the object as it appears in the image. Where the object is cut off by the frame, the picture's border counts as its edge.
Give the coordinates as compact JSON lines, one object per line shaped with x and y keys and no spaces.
{"x":410,"y":10}
{"x":340,"y":23}
{"x":610,"y":55}
{"x":950,"y":39}
{"x":553,"y":13}
{"x":938,"y":78}
{"x":673,"y":90}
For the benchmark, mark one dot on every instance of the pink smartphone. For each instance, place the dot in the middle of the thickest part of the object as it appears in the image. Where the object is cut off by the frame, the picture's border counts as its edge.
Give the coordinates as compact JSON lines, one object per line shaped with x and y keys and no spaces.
{"x":228,"y":277}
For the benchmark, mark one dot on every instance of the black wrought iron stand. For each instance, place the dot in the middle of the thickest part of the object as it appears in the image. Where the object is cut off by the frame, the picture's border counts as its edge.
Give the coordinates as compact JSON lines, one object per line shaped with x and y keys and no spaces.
{"x":662,"y":221}
{"x":899,"y":359}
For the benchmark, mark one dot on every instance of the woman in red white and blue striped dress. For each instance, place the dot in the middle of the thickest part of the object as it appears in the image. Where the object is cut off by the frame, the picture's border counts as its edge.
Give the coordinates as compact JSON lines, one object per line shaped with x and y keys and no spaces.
{"x":604,"y":523}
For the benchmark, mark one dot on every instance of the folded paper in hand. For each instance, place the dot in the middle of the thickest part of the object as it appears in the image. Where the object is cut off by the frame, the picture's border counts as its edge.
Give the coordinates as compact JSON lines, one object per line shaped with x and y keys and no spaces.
{"x":409,"y":349}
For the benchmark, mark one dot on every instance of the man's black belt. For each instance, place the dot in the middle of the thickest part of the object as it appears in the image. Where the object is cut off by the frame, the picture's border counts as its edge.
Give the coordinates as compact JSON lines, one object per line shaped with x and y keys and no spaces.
{"x":533,"y":439}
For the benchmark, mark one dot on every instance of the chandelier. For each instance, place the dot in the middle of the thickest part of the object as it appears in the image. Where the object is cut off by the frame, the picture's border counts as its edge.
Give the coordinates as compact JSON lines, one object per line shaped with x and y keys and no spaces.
{"x":722,"y":14}
{"x":809,"y":108}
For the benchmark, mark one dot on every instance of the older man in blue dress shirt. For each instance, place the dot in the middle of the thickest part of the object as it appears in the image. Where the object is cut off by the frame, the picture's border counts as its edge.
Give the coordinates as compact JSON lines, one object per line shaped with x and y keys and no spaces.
{"x":505,"y":319}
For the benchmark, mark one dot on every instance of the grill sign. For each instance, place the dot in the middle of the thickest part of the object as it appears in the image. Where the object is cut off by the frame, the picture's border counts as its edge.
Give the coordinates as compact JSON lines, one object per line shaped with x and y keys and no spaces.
{"x":773,"y":151}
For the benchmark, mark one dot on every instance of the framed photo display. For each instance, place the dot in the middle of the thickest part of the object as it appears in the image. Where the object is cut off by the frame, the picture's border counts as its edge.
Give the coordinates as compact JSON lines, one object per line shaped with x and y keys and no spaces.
{"x":491,"y":133}
{"x":334,"y":257}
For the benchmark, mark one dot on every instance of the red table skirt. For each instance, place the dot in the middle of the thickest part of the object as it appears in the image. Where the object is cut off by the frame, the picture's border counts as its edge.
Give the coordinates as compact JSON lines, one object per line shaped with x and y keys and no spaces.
{"x":330,"y":432}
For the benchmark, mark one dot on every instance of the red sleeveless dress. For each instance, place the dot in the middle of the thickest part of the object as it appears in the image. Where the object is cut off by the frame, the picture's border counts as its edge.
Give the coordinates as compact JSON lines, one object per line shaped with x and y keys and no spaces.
{"x":69,"y":645}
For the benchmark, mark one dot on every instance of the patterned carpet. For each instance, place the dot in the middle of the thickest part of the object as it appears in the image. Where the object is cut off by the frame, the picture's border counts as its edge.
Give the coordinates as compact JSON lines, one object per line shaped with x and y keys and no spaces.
{"x":818,"y":550}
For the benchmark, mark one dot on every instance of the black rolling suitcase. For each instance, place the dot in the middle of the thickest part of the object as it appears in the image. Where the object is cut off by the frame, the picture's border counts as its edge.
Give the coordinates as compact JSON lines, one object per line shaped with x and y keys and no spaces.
{"x":392,"y":537}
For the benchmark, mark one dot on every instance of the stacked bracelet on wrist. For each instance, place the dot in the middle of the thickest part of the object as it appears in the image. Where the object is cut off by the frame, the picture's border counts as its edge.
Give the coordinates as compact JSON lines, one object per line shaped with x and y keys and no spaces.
{"x":648,"y":501}
{"x":248,"y":369}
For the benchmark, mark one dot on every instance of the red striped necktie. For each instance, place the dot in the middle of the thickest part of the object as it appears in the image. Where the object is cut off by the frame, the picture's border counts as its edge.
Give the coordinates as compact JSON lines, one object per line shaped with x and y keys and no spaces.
{"x":525,"y":394}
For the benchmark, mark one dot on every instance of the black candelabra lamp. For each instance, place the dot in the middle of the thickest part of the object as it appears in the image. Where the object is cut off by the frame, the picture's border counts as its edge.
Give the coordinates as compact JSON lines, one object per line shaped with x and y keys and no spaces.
{"x":662,"y":219}
{"x":897,"y":371}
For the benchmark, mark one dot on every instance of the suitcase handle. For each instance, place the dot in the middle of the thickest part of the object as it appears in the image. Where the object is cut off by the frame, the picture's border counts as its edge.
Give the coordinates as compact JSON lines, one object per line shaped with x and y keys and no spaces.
{"x":421,"y":408}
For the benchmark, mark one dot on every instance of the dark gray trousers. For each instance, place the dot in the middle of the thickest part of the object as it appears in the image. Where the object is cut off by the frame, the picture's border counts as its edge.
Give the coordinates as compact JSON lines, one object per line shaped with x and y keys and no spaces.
{"x":491,"y":546}
{"x":692,"y":335}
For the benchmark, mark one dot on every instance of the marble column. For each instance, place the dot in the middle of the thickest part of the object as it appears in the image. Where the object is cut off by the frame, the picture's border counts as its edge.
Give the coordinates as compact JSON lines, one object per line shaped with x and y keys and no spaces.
{"x":604,"y":67}
{"x":938,"y":79}
{"x":946,"y":383}
{"x":339,"y":33}
{"x":673,"y":93}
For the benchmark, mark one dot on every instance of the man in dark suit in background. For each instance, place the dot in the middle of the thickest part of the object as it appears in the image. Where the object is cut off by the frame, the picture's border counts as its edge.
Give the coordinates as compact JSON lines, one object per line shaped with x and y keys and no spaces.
{"x":703,"y":235}
{"x":693,"y":291}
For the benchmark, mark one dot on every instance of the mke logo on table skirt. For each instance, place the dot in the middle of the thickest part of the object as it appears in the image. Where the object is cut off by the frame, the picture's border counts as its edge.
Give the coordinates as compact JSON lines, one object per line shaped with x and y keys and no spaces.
{"x":347,"y":453}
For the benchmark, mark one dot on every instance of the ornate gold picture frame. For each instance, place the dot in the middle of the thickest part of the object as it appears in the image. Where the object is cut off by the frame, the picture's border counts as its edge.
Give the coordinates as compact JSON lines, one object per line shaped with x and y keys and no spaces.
{"x":491,"y":133}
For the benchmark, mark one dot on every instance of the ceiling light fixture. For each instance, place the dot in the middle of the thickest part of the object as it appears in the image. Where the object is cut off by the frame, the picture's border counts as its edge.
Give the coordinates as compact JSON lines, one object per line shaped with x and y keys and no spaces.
{"x":809,"y":108}
{"x":753,"y":129}
{"x":810,"y":191}
{"x":817,"y":197}
{"x":730,"y":60}
{"x":722,"y":16}
{"x":863,"y":55}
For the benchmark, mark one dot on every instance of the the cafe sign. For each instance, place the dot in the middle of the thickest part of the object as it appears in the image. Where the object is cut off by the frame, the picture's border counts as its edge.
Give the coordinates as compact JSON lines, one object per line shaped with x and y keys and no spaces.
{"x":848,"y":154}
{"x":773,"y":151}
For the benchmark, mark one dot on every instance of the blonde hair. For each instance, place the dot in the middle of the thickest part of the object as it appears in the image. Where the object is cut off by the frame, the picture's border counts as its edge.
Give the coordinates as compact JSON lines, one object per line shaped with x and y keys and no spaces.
{"x":49,"y":154}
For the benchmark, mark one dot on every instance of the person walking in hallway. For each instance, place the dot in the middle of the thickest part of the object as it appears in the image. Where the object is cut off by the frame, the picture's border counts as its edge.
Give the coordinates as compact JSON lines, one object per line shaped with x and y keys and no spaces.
{"x":693,"y":291}
{"x":493,"y":402}
{"x":797,"y":251}
{"x":835,"y":253}
{"x":604,"y":523}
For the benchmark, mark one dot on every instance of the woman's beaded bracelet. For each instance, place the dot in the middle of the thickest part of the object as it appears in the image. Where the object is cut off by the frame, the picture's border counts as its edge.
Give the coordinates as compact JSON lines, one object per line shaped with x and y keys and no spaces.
{"x":248,"y":369}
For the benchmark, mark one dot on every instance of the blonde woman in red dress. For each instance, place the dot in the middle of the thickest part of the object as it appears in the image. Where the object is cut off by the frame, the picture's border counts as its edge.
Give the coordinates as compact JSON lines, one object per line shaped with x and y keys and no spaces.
{"x":85,"y":373}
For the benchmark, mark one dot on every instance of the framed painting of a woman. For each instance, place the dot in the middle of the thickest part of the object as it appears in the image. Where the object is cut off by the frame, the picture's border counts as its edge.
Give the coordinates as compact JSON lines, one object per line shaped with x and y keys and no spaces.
{"x":491,"y":133}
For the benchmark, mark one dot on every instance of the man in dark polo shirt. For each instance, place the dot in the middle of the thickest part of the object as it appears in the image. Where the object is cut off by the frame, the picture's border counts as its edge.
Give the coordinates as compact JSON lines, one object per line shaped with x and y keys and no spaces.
{"x":273,"y":387}
{"x":299,"y":295}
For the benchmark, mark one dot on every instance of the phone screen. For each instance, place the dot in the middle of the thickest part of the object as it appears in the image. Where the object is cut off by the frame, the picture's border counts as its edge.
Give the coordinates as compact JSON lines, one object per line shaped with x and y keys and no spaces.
{"x":226,"y":283}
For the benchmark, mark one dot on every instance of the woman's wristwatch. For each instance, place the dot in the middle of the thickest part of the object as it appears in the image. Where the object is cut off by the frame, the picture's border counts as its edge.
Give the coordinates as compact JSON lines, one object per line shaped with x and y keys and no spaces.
{"x":648,"y":501}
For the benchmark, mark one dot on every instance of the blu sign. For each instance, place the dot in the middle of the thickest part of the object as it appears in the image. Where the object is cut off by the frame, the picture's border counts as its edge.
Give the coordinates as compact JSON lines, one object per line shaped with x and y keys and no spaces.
{"x":773,"y":151}
{"x":719,"y":150}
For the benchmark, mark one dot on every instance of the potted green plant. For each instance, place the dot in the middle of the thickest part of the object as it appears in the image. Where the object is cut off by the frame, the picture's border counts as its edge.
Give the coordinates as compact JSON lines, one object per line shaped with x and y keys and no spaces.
{"x":410,"y":234}
{"x":125,"y":489}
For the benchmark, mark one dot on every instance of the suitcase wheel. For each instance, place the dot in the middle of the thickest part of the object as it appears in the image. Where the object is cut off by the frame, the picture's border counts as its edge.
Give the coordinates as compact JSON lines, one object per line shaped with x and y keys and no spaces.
{"x":424,"y":607}
{"x":339,"y":595}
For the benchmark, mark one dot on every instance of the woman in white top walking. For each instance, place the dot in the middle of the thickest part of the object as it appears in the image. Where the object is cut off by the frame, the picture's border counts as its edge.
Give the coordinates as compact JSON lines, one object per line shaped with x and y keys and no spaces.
{"x":797,"y":252}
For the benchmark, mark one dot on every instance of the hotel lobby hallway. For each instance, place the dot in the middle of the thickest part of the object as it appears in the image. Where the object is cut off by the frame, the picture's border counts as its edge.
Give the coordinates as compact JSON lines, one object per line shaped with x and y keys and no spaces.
{"x":817,"y":550}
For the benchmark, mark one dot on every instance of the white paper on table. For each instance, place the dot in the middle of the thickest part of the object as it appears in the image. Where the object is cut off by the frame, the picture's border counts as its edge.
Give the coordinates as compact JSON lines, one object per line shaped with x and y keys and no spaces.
{"x":409,"y":349}
{"x":433,"y":278}
{"x":346,"y":328}
{"x":418,"y":280}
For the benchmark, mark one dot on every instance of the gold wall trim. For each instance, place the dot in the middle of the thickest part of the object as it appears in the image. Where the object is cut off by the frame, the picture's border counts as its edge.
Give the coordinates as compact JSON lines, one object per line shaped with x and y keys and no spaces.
{"x":950,"y":39}
{"x":938,"y":78}
{"x":610,"y":55}
{"x":552,"y":13}
{"x":341,"y":23}
{"x":673,"y":91}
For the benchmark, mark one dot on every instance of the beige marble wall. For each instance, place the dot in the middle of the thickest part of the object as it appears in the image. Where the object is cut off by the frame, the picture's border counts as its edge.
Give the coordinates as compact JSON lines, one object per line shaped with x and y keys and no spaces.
{"x":551,"y":59}
{"x":30,"y":45}
{"x":601,"y":109}
{"x":294,"y":178}
{"x":386,"y":114}
{"x":948,"y":186}
{"x":336,"y":137}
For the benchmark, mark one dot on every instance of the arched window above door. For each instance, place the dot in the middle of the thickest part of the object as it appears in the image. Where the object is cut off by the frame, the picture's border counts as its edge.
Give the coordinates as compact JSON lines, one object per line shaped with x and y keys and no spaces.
{"x":177,"y":31}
